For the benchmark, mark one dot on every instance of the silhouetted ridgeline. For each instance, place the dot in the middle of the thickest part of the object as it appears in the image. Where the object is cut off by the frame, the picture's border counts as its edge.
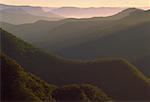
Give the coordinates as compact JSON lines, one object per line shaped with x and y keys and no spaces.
{"x":19,"y":85}
{"x":117,"y":77}
{"x":25,"y":14}
{"x":125,"y":35}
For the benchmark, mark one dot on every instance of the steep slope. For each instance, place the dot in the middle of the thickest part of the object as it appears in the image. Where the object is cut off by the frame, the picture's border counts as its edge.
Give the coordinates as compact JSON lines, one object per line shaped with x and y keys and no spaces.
{"x":143,"y":64}
{"x":60,"y":34}
{"x":28,"y":31}
{"x":82,"y":30}
{"x":68,"y":37}
{"x":19,"y":85}
{"x":22,"y":52}
{"x":80,"y":93}
{"x":131,"y":43}
{"x":118,"y":78}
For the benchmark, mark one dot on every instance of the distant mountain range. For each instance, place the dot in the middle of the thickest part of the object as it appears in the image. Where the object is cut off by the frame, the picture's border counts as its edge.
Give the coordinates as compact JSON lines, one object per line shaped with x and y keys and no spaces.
{"x":75,"y":12}
{"x":25,"y":14}
{"x":117,"y":77}
{"x":29,"y":14}
{"x":102,"y":59}
{"x":56,"y":13}
{"x":120,"y":35}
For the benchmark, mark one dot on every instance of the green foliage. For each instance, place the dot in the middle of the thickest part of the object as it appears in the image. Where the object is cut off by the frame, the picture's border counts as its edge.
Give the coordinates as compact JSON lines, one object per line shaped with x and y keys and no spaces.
{"x":20,"y":45}
{"x":94,"y":94}
{"x":136,"y":72}
{"x":117,"y":78}
{"x":19,"y":85}
{"x":80,"y":93}
{"x":69,"y":93}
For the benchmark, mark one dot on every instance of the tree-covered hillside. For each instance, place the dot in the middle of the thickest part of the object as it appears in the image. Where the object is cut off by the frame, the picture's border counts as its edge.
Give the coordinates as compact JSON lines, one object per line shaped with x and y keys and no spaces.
{"x":124,"y":35}
{"x":20,"y":85}
{"x":117,"y":77}
{"x":52,"y":36}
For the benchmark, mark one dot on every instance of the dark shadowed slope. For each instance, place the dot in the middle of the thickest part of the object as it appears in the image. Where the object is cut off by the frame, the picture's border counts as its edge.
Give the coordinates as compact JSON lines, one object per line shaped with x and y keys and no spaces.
{"x":148,"y":11}
{"x":131,"y":43}
{"x":31,"y":32}
{"x":19,"y":85}
{"x":76,"y":31}
{"x":53,"y":36}
{"x":116,"y":77}
{"x":80,"y":93}
{"x":25,"y":54}
{"x":143,"y":64}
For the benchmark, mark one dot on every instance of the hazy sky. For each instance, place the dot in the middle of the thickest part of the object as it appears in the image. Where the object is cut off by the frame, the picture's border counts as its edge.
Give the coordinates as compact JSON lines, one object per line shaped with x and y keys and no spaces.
{"x":80,"y":3}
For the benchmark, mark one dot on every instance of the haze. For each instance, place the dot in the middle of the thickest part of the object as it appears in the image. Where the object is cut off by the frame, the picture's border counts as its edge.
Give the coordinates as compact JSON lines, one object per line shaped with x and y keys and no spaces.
{"x":80,"y":3}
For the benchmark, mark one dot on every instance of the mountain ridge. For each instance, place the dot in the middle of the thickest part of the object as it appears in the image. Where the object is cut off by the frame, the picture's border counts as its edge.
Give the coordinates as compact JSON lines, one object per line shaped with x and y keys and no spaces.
{"x":51,"y":35}
{"x":116,"y":45}
{"x":20,"y":85}
{"x":101,"y":72}
{"x":26,"y":14}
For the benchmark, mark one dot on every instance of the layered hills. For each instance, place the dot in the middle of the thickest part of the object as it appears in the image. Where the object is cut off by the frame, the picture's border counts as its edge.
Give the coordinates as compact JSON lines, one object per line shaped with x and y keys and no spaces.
{"x":131,"y":43}
{"x":94,"y":37}
{"x":76,"y":30}
{"x":69,"y":12}
{"x":25,"y":14}
{"x":117,"y":77}
{"x":76,"y":12}
{"x":20,"y":85}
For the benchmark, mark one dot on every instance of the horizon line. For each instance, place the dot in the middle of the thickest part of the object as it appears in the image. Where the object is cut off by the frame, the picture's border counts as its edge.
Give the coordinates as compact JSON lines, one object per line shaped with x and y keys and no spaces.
{"x":72,"y":6}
